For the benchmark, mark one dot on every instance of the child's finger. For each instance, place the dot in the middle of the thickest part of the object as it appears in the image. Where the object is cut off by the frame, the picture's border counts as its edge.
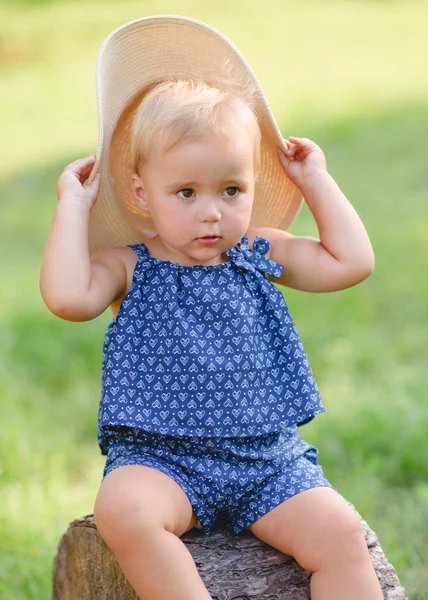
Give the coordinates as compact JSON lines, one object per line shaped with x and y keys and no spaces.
{"x":302,"y":142}
{"x":82,"y":161}
{"x":94,"y":185}
{"x":284,"y":158}
{"x":81,"y":168}
{"x":291,"y":150}
{"x":87,"y":169}
{"x":78,"y":165}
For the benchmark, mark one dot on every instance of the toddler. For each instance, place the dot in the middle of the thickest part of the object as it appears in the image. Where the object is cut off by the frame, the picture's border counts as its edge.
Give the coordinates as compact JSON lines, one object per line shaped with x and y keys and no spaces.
{"x":205,"y":380}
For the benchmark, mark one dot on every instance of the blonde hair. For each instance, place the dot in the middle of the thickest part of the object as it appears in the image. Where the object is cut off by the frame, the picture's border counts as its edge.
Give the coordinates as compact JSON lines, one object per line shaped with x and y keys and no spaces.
{"x":176,"y":110}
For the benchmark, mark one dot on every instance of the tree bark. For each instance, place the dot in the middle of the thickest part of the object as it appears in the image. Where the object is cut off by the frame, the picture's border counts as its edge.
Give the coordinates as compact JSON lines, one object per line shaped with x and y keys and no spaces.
{"x":233,"y":567}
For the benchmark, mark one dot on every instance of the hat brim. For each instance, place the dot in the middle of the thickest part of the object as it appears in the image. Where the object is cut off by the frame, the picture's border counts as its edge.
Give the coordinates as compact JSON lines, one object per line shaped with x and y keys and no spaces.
{"x":131,"y":59}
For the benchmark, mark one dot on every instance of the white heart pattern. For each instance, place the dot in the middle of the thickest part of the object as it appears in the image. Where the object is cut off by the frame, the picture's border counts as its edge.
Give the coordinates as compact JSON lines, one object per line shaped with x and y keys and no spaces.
{"x":234,"y":480}
{"x":206,"y":350}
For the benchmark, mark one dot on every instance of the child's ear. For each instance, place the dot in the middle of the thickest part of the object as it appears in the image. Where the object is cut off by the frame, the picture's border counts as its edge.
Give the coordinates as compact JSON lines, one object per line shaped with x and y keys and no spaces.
{"x":139,"y":192}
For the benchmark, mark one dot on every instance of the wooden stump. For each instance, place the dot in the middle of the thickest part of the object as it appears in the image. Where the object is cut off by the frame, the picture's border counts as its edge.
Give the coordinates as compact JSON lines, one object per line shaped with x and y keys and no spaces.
{"x":238,"y":567}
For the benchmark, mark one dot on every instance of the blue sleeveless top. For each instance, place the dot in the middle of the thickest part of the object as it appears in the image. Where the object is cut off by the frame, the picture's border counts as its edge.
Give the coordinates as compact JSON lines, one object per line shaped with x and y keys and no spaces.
{"x":207,"y":351}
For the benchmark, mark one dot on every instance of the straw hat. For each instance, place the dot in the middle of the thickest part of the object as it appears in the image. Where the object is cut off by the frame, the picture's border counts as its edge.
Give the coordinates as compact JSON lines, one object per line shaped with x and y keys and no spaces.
{"x":148,"y":50}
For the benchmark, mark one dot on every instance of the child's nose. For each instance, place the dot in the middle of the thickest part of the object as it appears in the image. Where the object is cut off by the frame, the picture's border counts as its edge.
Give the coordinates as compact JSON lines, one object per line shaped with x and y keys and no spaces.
{"x":209,"y":210}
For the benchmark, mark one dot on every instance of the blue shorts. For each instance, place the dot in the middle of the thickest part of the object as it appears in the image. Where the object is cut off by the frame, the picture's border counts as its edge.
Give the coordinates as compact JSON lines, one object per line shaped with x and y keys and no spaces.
{"x":233,"y":480}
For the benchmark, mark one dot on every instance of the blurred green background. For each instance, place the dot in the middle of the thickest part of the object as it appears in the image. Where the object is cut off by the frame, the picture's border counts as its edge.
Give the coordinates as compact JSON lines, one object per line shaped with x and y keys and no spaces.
{"x":351,"y":75}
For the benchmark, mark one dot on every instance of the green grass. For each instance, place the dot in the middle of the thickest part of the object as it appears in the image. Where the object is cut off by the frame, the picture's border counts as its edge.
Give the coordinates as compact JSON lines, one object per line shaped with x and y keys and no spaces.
{"x":352,"y":76}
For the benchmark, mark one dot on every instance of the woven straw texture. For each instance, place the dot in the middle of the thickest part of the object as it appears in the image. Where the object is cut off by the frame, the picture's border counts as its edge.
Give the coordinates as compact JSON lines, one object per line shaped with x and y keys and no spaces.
{"x":149,"y":50}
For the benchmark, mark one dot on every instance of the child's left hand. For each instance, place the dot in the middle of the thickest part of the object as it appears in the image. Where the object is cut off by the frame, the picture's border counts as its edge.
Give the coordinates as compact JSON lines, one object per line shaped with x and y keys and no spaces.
{"x":303,"y":159}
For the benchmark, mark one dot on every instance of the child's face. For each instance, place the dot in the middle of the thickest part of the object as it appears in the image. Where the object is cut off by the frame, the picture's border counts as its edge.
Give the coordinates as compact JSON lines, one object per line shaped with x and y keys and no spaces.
{"x":201,"y":187}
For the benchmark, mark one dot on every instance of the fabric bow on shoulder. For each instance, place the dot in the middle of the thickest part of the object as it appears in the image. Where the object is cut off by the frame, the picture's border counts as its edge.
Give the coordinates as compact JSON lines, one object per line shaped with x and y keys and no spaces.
{"x":251,"y":260}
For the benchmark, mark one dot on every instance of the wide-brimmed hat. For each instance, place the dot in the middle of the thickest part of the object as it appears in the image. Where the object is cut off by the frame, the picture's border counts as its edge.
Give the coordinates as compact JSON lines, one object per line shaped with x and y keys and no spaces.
{"x":131,"y":59}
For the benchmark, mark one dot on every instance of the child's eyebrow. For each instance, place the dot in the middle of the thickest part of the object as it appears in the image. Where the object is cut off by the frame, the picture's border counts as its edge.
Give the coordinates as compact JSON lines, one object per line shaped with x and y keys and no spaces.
{"x":180,"y":185}
{"x":188,"y":184}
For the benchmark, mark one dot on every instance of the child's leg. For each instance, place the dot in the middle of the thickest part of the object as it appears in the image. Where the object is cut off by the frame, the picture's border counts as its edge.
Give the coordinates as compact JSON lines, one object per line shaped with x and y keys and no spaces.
{"x":323,"y":534}
{"x":140,"y":513}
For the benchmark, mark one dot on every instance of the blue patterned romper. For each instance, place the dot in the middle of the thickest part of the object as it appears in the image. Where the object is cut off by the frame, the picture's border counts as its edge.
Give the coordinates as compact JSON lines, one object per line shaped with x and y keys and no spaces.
{"x":206,"y":380}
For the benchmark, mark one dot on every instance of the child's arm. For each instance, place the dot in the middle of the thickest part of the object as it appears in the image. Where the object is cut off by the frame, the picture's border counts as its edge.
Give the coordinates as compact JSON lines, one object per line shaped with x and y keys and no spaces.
{"x":343,"y":256}
{"x":74,"y":285}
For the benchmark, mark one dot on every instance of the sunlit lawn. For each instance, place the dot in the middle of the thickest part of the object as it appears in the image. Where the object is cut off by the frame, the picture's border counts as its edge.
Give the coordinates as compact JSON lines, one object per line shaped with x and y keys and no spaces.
{"x":351,"y":75}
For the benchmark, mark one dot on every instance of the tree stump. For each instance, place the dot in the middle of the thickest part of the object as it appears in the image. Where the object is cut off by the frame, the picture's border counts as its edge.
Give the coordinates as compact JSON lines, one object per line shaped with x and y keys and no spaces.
{"x":233,"y":567}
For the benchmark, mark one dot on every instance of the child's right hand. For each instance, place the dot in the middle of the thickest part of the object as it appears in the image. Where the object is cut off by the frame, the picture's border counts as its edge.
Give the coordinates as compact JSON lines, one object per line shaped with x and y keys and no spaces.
{"x":70,"y":183}
{"x":74,"y":284}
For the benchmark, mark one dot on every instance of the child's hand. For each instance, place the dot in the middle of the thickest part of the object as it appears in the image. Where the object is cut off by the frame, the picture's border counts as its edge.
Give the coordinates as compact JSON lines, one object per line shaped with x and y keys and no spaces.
{"x":302,"y":160}
{"x":70,"y":183}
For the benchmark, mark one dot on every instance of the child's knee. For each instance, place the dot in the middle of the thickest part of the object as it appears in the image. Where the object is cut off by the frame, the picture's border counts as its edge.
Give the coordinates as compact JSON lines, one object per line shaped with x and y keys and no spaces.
{"x":137,"y":500}
{"x":330,"y":534}
{"x":344,"y":541}
{"x":117,"y":512}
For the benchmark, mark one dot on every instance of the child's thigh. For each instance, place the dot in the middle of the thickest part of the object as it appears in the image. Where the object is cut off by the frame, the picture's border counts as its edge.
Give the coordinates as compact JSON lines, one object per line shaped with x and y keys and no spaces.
{"x":312,"y":526}
{"x":137,"y":498}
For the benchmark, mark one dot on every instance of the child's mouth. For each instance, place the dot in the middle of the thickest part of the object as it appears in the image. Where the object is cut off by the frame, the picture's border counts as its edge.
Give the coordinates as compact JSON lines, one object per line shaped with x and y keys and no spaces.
{"x":208,"y":241}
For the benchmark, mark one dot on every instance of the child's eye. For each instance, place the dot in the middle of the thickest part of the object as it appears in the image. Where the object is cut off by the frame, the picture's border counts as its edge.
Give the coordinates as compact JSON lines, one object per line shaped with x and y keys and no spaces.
{"x":232,"y":191}
{"x":186,"y":193}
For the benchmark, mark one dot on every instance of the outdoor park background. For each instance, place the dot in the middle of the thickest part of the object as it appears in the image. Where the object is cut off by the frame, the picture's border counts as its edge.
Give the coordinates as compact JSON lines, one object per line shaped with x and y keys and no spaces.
{"x":351,"y":75}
